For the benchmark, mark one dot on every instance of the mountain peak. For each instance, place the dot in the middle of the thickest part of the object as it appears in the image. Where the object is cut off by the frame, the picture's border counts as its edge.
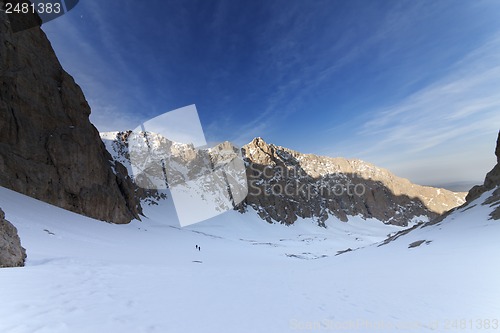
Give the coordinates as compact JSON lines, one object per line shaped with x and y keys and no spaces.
{"x":258,"y":142}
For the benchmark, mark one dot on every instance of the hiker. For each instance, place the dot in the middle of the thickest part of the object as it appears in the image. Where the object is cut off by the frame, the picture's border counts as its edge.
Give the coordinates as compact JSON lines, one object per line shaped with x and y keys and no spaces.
{"x":197,"y":247}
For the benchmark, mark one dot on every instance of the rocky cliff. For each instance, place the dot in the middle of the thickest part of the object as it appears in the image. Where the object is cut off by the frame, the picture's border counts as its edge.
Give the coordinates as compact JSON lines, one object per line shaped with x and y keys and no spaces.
{"x":285,"y":184}
{"x":492,"y":181}
{"x":12,"y":254}
{"x":48,"y":148}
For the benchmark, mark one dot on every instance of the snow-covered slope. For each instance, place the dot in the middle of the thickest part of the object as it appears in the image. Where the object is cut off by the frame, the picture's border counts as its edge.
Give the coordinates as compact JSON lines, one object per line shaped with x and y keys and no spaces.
{"x":83,"y":275}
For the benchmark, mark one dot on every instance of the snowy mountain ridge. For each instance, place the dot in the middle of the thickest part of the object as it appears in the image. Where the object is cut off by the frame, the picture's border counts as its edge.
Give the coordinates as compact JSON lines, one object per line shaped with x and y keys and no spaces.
{"x":335,"y":187}
{"x":285,"y":185}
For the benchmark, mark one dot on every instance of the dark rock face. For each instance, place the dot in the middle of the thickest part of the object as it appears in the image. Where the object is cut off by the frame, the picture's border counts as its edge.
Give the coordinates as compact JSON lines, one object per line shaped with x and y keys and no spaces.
{"x":12,"y":254}
{"x":285,"y":185}
{"x":491,"y":182}
{"x":48,"y":148}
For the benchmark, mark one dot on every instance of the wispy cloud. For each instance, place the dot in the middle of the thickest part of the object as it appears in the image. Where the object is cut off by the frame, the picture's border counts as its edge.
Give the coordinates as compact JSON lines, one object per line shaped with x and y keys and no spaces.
{"x":304,"y":51}
{"x":87,"y":45}
{"x":466,"y":97}
{"x":461,"y":108}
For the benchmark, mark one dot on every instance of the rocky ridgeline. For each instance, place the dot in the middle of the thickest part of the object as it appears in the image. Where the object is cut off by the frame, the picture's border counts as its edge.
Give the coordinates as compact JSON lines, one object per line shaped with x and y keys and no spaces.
{"x":154,"y":162}
{"x":49,"y":150}
{"x":285,"y":185}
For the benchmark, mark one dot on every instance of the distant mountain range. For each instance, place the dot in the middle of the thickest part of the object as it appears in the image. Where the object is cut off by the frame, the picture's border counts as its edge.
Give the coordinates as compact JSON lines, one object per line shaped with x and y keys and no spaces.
{"x":463,"y":186}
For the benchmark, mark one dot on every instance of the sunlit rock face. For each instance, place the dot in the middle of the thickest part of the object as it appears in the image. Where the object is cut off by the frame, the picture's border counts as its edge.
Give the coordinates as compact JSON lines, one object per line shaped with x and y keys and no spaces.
{"x":285,"y":185}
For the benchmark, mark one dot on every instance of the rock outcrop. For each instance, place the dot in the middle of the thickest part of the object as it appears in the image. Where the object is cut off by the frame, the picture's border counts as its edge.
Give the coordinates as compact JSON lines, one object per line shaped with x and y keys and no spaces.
{"x":492,"y":181}
{"x":12,"y":254}
{"x":49,"y":150}
{"x":285,"y":185}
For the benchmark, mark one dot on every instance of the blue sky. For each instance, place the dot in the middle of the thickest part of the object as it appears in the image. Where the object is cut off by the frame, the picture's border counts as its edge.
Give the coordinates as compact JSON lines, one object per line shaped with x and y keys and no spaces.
{"x":412,"y":86}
